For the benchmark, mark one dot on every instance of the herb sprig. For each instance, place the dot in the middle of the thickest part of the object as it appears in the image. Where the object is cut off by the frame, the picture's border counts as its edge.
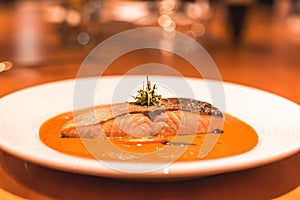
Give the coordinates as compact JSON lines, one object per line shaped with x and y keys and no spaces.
{"x":147,"y":97}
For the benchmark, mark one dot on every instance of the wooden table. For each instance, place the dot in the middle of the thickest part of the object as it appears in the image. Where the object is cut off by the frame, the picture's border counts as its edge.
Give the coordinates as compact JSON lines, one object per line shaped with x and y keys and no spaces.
{"x":261,"y":63}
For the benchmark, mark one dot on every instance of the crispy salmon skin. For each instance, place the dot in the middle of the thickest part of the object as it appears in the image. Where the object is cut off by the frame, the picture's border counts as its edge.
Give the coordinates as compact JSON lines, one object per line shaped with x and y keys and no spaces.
{"x":174,"y":116}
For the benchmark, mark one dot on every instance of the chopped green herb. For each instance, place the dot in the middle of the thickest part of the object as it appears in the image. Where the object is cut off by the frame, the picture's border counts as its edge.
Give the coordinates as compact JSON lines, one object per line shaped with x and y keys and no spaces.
{"x":147,"y":97}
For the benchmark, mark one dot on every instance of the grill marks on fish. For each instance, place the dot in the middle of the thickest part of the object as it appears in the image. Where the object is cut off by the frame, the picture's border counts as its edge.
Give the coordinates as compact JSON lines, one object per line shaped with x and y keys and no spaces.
{"x":175,"y":116}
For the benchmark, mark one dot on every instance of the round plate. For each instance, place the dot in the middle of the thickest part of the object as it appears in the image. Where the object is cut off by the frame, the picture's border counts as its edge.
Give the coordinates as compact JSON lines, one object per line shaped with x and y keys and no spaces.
{"x":275,"y":119}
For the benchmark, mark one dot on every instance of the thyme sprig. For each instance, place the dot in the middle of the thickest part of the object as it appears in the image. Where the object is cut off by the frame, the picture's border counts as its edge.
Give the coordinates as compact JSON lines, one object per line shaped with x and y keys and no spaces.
{"x":147,"y":97}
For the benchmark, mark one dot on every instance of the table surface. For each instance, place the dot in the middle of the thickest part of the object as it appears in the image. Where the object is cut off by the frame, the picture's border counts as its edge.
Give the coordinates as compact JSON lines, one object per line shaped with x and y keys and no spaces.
{"x":272,"y":65}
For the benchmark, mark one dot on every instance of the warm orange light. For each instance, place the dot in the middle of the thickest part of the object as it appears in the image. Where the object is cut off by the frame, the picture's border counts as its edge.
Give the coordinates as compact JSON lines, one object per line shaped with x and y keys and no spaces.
{"x":164,"y":20}
{"x":73,"y":18}
{"x":167,"y":7}
{"x":166,"y":23}
{"x":171,"y":26}
{"x":6,"y":65}
{"x":197,"y":29}
{"x":56,"y":14}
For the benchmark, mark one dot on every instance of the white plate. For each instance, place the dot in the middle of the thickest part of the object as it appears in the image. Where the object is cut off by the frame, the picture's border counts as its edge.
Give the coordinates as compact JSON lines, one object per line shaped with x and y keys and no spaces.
{"x":275,"y":119}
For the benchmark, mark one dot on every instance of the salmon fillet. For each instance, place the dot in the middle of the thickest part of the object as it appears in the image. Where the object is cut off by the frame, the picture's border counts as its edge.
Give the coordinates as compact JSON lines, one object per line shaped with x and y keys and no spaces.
{"x":176,"y":116}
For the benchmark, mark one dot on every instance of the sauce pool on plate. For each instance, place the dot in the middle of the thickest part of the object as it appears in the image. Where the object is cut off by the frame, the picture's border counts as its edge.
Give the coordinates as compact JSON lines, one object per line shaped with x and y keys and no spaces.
{"x":237,"y":138}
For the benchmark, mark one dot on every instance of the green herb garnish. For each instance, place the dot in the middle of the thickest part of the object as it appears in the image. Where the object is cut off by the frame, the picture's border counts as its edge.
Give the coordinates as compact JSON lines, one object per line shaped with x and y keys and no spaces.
{"x":147,"y":96}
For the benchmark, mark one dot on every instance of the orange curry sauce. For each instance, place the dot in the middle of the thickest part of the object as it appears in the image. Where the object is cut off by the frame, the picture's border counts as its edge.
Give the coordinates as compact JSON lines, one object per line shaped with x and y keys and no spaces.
{"x":237,"y":137}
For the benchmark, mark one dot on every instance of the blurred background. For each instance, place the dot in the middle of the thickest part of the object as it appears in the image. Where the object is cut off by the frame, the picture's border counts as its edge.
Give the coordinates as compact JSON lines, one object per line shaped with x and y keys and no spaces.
{"x":238,"y":34}
{"x":32,"y":32}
